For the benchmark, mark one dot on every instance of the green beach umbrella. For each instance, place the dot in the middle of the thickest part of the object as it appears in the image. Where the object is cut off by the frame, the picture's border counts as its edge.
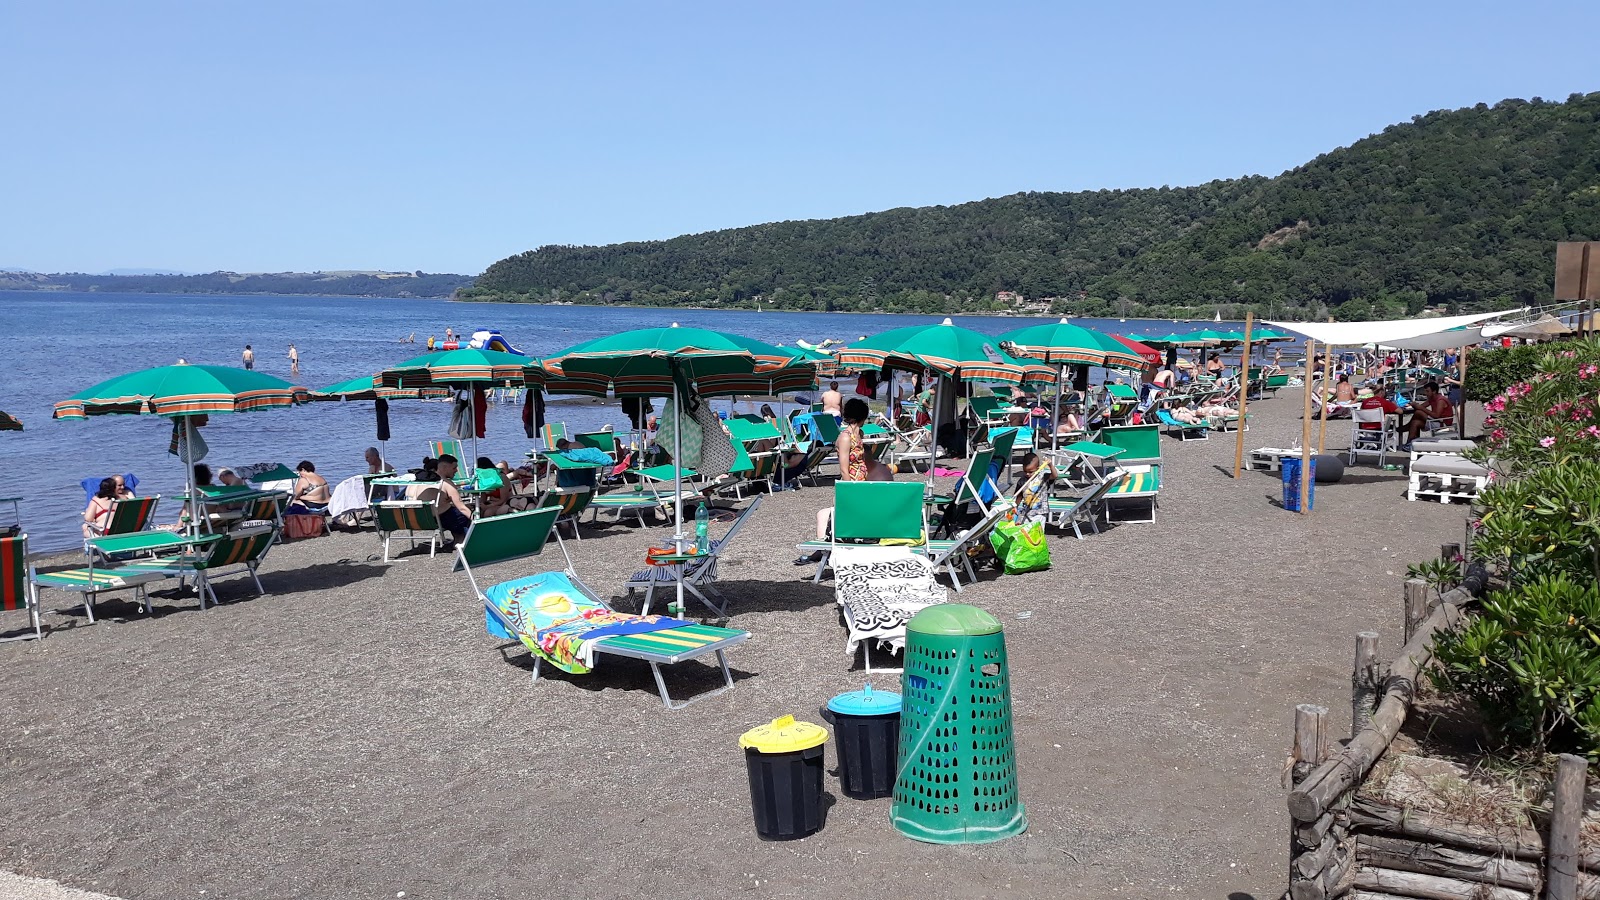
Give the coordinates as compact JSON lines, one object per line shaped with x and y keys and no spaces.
{"x":467,"y":367}
{"x":462,"y":367}
{"x":180,"y":393}
{"x":669,"y":362}
{"x":946,"y":348}
{"x":1063,"y":344}
{"x":183,"y":390}
{"x":949,"y":350}
{"x":8,"y":422}
{"x":362,"y":388}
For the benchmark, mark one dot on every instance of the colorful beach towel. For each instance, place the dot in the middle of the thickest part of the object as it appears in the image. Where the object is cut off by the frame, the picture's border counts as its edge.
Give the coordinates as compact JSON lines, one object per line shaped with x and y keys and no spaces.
{"x":556,"y":620}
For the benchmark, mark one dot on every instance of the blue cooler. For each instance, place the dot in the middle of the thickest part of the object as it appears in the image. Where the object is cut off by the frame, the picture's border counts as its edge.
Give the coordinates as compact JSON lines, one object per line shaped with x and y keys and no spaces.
{"x":1291,"y":484}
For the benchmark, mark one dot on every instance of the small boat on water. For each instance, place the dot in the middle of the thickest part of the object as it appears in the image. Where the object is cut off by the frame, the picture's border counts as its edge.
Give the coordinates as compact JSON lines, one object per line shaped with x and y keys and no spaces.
{"x":484,"y":339}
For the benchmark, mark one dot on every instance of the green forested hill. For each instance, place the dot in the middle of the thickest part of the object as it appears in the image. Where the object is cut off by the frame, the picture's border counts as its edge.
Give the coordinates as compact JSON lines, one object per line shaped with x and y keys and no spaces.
{"x":1457,"y":207}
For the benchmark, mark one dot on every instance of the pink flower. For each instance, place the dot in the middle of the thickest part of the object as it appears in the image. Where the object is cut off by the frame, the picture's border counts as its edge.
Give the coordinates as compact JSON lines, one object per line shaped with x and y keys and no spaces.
{"x":1588,"y":371}
{"x":1547,"y":442}
{"x":1593,"y":431}
{"x":1497,"y":435}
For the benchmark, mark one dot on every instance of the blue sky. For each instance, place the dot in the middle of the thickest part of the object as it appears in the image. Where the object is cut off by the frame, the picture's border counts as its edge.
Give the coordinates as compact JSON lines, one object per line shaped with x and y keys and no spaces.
{"x":400,"y":135}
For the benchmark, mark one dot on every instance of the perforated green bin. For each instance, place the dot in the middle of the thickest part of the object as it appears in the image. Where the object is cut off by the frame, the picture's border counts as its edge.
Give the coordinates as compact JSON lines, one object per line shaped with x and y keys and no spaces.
{"x":956,"y":770}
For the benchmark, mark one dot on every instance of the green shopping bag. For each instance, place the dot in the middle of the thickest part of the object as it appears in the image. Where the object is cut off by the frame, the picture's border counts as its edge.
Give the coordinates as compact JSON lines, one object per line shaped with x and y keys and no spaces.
{"x":1021,"y":547}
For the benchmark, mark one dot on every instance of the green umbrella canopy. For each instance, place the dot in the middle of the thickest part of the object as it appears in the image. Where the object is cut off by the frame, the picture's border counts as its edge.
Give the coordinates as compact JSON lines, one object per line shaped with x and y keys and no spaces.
{"x":8,"y":422}
{"x":461,"y":367}
{"x":945,"y":347}
{"x":643,"y":362}
{"x":1164,"y":341}
{"x":182,"y":390}
{"x":1062,"y":343}
{"x":362,"y":388}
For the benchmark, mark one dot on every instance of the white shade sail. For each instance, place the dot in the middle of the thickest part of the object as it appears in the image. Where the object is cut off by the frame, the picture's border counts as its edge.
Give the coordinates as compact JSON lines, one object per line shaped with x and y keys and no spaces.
{"x":1438,"y":333}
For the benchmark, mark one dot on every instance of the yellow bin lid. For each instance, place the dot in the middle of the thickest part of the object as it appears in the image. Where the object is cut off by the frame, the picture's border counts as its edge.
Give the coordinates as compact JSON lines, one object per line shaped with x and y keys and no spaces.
{"x":783,"y":735}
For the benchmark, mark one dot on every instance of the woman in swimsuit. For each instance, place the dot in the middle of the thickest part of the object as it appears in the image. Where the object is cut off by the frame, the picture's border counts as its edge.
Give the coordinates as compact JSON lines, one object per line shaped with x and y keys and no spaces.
{"x":311,"y":494}
{"x":98,"y":513}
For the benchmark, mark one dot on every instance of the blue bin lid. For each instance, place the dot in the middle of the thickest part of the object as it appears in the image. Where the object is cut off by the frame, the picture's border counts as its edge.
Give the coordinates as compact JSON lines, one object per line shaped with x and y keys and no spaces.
{"x":866,"y":702}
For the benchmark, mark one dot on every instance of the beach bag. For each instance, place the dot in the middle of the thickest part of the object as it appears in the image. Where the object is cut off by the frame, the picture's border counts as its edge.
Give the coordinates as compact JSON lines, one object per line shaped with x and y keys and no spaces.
{"x":302,"y":526}
{"x":1021,"y":547}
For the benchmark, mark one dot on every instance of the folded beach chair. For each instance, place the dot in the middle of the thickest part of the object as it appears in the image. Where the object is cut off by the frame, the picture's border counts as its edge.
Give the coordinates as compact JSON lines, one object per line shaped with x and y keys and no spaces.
{"x":419,"y":519}
{"x":879,"y":587}
{"x":1183,"y":431}
{"x":1139,"y":483}
{"x":1084,"y":509}
{"x":1141,"y":444}
{"x":951,"y":556}
{"x":237,"y":552}
{"x":627,"y":501}
{"x":970,"y":488}
{"x":17,"y":593}
{"x":563,"y":623}
{"x":698,"y":576}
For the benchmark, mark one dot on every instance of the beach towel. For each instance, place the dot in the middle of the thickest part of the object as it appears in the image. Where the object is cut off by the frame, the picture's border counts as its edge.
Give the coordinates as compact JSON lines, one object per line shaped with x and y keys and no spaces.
{"x":688,"y":435}
{"x":91,"y":485}
{"x":350,"y":495}
{"x":558,"y":622}
{"x":880,"y":589}
{"x":195,"y":444}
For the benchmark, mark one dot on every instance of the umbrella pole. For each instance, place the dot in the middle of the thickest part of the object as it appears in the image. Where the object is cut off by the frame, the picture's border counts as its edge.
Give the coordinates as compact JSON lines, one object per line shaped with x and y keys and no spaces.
{"x":472,"y":415}
{"x":194,"y":491}
{"x":677,"y":477}
{"x":677,"y":492}
{"x":933,"y":443}
{"x":1327,"y":372}
{"x":1055,"y":420}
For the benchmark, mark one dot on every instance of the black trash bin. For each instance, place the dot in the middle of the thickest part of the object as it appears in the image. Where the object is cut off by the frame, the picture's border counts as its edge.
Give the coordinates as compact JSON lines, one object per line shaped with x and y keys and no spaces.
{"x":784,"y":760}
{"x":866,"y":724}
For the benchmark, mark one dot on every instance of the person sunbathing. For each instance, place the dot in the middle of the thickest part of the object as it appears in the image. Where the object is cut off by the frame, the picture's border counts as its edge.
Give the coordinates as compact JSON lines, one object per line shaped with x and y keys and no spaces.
{"x":98,"y":514}
{"x":123,"y":491}
{"x":311,"y":492}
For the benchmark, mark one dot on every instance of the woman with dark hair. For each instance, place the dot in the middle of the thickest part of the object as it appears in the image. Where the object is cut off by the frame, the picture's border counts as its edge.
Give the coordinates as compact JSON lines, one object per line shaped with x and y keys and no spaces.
{"x":311,"y":493}
{"x":852,"y":452}
{"x":98,"y":513}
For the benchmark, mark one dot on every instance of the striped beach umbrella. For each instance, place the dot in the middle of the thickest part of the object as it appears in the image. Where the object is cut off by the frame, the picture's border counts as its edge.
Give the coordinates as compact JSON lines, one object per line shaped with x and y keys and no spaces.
{"x":1062,"y":344}
{"x":948,"y":350}
{"x":184,"y":390}
{"x":185,"y":394}
{"x":670,"y":362}
{"x":467,"y":366}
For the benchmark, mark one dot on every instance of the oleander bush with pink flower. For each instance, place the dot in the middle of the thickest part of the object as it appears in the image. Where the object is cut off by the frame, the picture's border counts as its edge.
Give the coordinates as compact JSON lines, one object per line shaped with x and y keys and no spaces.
{"x":1530,"y":658}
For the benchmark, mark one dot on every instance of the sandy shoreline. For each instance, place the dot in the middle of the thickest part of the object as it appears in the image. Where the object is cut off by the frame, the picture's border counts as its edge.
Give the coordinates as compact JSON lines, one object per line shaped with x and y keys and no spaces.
{"x":357,"y":734}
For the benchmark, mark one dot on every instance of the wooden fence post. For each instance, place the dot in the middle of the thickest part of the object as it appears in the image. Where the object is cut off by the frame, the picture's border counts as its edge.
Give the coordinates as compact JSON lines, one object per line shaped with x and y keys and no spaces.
{"x":1365,"y":681}
{"x":1418,"y":605}
{"x":1566,"y":818}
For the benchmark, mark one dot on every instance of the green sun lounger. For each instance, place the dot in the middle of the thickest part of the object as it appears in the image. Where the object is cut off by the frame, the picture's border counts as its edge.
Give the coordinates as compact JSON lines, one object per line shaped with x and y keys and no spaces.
{"x":1140,"y":444}
{"x":1138,"y":484}
{"x":419,"y":519}
{"x":237,"y":552}
{"x":551,"y":611}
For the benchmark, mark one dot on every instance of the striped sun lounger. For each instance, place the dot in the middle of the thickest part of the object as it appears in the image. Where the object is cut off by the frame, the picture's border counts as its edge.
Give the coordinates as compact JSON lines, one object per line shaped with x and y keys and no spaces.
{"x":1138,"y":483}
{"x":565,"y":624}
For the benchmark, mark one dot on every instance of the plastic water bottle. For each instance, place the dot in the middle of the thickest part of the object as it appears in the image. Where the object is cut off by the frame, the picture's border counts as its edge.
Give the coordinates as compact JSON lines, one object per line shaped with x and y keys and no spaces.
{"x":702,"y":528}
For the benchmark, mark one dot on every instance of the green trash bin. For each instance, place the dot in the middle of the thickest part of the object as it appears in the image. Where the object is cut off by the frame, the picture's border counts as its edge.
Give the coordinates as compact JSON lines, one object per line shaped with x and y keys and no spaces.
{"x":956,"y":770}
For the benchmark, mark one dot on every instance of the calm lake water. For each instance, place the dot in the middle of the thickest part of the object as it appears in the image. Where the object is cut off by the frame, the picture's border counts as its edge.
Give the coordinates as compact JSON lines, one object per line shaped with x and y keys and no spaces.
{"x":57,"y":344}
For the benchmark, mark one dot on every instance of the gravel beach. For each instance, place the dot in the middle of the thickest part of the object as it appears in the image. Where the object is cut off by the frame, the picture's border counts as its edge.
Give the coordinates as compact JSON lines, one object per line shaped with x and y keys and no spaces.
{"x":356,"y":734}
